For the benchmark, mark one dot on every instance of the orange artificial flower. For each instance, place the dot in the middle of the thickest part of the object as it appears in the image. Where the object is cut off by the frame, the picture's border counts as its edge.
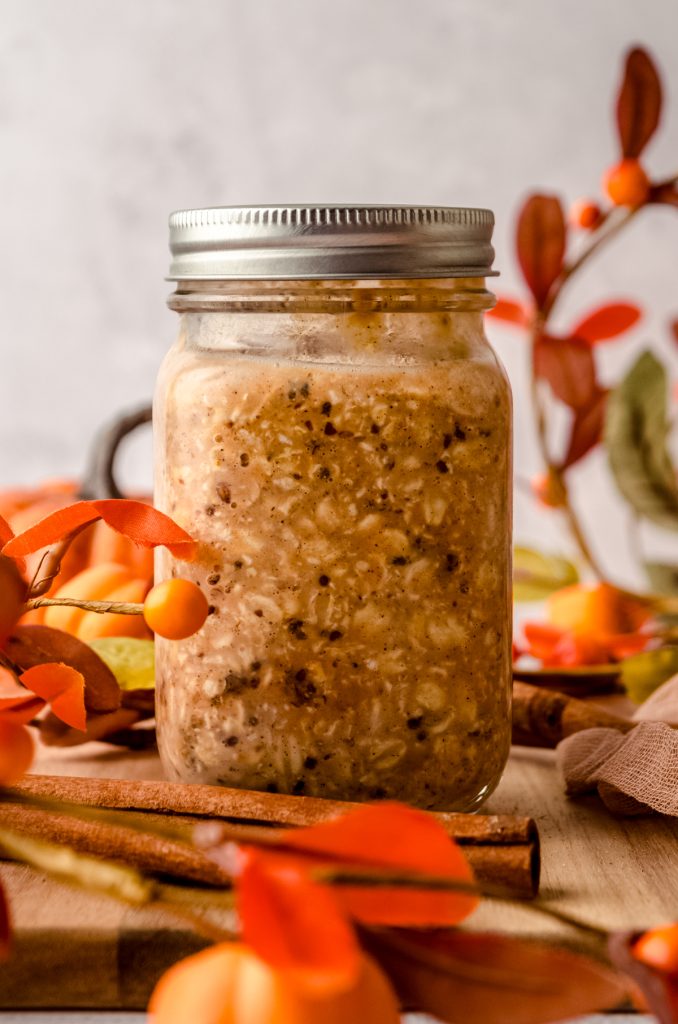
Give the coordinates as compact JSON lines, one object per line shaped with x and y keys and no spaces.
{"x":229,"y":984}
{"x":588,"y":625}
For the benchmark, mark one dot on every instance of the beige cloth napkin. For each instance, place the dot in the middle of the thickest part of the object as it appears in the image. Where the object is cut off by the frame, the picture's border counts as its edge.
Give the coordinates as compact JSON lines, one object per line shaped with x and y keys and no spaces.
{"x":634,"y":773}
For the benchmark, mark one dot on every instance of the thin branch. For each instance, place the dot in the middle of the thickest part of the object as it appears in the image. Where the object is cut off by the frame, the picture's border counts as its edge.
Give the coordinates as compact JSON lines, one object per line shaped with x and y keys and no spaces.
{"x":51,"y":563}
{"x":102,"y":607}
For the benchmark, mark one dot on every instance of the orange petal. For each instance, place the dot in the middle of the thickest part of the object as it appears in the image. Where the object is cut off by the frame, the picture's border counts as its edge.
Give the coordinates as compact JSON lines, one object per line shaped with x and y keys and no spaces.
{"x":393,"y":836}
{"x":21,"y":710}
{"x":16,"y":751}
{"x":142,"y":523}
{"x":63,"y":687}
{"x":541,"y":639}
{"x":6,"y":532}
{"x":296,"y":925}
{"x":386,"y":835}
{"x":607,"y":322}
{"x":509,"y":310}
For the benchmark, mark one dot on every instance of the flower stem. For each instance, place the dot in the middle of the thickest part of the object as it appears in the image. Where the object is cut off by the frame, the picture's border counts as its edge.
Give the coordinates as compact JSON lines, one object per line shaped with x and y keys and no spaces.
{"x":609,"y":228}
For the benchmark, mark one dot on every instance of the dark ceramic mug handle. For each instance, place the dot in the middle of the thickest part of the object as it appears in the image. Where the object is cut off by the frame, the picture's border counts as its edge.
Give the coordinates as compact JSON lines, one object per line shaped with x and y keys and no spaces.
{"x":99,"y":478}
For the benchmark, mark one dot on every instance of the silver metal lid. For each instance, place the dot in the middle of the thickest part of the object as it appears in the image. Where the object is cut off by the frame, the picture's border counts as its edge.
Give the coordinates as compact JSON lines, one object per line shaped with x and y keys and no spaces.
{"x":325,"y":242}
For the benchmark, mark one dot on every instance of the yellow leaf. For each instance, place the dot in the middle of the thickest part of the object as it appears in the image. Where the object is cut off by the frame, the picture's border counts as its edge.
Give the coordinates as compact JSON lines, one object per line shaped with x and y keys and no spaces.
{"x":535,"y":575}
{"x":131,"y":660}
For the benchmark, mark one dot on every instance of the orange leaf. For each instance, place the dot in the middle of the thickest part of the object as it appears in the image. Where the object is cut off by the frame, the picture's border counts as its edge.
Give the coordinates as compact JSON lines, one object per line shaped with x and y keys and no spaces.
{"x":586,"y":430}
{"x":567,"y":364}
{"x":540,"y":241}
{"x":639,"y":103}
{"x":6,"y":532}
{"x":607,"y":322}
{"x":541,"y":639}
{"x":296,"y":925}
{"x":384,"y":835}
{"x":393,"y":836}
{"x":16,"y":750}
{"x":36,"y":645}
{"x":659,"y":988}
{"x":63,"y":687}
{"x":483,"y":978}
{"x":511,"y":311}
{"x":21,"y":709}
{"x":142,"y":523}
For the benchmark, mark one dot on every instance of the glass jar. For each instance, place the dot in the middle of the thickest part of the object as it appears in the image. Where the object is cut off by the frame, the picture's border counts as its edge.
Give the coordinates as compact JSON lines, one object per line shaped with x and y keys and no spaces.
{"x":340,"y":448}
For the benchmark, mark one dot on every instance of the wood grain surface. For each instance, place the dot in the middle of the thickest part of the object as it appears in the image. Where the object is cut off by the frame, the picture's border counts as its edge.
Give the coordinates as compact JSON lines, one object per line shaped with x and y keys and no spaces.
{"x":75,"y":949}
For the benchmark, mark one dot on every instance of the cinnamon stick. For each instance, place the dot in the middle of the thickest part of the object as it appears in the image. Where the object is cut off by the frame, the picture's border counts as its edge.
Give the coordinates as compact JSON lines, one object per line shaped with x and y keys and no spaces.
{"x":542,"y":718}
{"x":502,"y":849}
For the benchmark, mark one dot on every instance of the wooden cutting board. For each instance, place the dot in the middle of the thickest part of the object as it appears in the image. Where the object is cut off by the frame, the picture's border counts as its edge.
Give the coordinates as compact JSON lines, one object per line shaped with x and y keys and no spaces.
{"x":75,"y":949}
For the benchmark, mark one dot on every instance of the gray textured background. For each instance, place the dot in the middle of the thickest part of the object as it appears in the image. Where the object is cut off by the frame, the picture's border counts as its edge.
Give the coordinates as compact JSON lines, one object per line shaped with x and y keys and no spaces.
{"x":112,"y":114}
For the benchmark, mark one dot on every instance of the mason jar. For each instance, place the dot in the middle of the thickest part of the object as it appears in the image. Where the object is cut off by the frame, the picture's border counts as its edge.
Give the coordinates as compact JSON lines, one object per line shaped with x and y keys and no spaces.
{"x":334,"y":429}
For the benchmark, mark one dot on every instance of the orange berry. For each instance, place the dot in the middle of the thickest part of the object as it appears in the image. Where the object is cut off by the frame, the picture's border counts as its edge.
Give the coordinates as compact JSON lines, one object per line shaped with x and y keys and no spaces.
{"x":12,"y":595}
{"x":626,"y":183}
{"x":585,"y":214}
{"x":658,"y":948}
{"x":228,"y":984}
{"x":549,"y":489}
{"x":175,"y":609}
{"x":16,"y":751}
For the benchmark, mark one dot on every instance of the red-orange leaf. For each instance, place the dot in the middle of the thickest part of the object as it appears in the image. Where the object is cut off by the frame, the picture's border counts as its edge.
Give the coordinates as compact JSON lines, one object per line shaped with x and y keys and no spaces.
{"x":396,"y":837}
{"x":21,"y":709}
{"x":482,"y":978}
{"x":16,"y":750}
{"x":6,"y":532}
{"x":607,"y":322}
{"x":63,"y":687}
{"x":567,"y":364}
{"x":296,"y":925}
{"x":5,"y":926}
{"x":674,"y":330}
{"x":587,"y":428}
{"x":659,"y":988}
{"x":143,"y":524}
{"x":540,"y":243}
{"x":384,"y":835}
{"x":511,"y":311}
{"x":639,"y":103}
{"x":35,"y":645}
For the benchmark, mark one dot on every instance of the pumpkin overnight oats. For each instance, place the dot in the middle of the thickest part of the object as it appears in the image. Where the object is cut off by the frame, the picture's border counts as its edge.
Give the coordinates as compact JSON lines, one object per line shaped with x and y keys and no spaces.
{"x":341,"y":453}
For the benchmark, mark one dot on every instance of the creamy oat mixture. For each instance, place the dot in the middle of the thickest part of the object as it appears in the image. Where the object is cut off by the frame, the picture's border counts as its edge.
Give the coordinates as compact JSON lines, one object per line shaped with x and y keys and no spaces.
{"x":354,"y":531}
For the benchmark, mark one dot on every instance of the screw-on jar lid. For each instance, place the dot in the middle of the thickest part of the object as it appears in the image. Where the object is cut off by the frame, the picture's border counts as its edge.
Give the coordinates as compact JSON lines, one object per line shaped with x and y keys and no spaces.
{"x":325,"y":242}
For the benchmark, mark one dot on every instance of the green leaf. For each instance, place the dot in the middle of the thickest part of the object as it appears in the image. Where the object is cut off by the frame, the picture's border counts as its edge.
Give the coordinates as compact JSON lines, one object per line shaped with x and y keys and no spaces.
{"x":663,"y":578}
{"x":641,"y":674}
{"x":635,"y":437}
{"x":535,"y":575}
{"x":132,"y":661}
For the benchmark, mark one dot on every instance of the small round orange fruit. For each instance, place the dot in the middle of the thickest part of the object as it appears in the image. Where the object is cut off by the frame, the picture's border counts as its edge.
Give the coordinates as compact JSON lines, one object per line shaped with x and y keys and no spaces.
{"x":658,"y":948}
{"x":175,"y":609}
{"x":549,"y":489}
{"x":12,"y":595}
{"x":16,"y":751}
{"x":584,"y":213}
{"x":229,"y":984}
{"x":626,"y":183}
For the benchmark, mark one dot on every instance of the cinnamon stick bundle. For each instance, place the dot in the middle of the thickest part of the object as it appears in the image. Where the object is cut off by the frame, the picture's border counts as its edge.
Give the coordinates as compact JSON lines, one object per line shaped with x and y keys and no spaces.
{"x":503,"y":850}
